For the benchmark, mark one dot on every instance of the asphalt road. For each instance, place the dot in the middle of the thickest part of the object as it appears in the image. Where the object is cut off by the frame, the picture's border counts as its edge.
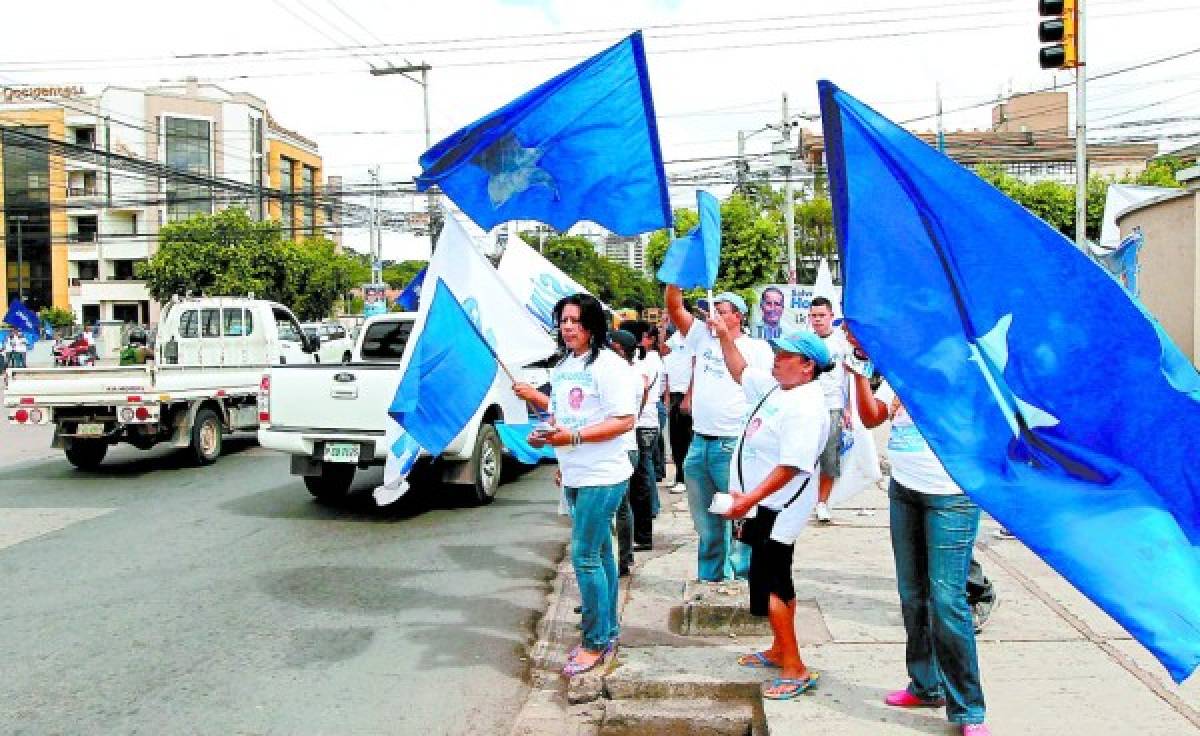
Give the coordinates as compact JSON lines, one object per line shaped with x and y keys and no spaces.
{"x":158,"y":598}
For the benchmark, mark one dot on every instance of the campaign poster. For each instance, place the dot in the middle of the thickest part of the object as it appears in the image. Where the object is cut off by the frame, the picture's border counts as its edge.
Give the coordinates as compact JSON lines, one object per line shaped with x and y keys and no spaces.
{"x":782,"y":306}
{"x":374,"y":299}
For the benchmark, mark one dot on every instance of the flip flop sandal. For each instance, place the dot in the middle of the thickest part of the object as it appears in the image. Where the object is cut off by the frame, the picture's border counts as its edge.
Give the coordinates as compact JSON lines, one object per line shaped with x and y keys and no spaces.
{"x":796,"y":687}
{"x":756,"y":661}
{"x":574,"y":668}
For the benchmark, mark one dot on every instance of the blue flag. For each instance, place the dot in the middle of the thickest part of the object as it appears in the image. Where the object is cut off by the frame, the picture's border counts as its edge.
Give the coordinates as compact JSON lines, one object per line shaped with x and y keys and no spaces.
{"x":23,"y":318}
{"x":692,"y":261}
{"x":1039,"y":383}
{"x":582,"y":146}
{"x":447,"y":376}
{"x":1123,"y":261}
{"x":410,"y":298}
{"x":516,"y":440}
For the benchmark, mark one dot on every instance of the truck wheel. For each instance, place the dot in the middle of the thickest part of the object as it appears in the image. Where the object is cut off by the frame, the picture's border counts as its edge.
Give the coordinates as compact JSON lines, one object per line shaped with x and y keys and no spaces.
{"x":84,"y":454}
{"x":206,"y":437}
{"x":333,"y":483}
{"x":489,"y":465}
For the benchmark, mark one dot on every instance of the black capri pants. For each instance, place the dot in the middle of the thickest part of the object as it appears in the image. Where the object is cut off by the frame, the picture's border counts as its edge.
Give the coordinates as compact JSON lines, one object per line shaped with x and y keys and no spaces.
{"x":770,"y":572}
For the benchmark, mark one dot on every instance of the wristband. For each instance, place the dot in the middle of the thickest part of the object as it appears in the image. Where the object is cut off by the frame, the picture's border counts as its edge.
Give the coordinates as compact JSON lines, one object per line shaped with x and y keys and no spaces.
{"x":576,"y":439}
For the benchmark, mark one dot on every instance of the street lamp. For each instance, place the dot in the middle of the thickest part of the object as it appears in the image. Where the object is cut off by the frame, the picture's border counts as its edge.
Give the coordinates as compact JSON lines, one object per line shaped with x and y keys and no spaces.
{"x":20,"y":256}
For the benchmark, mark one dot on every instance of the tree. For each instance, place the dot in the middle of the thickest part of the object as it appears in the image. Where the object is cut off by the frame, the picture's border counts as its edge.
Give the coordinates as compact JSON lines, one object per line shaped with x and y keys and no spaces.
{"x":229,"y":254}
{"x":751,"y":242}
{"x":1160,"y":172}
{"x":614,"y":283}
{"x":1050,"y":200}
{"x":56,"y":317}
{"x":397,"y":275}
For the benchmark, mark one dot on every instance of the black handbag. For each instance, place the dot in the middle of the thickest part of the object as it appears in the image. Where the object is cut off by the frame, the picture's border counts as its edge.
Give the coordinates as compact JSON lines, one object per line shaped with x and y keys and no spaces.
{"x":757,"y":529}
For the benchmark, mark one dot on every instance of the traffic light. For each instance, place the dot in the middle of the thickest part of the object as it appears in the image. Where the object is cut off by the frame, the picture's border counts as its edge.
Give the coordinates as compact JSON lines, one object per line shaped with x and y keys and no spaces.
{"x":1059,"y":30}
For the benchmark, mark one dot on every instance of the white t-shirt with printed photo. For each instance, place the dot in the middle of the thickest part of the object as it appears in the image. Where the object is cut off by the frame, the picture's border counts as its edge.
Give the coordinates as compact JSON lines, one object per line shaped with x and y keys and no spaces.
{"x":718,"y":402}
{"x":789,"y":428}
{"x":582,"y":395}
{"x":651,"y":367}
{"x":914,"y":465}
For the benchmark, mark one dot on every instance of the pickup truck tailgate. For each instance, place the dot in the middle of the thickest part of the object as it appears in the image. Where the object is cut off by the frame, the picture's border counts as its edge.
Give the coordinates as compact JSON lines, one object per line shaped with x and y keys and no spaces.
{"x":339,"y":399}
{"x":67,"y":385}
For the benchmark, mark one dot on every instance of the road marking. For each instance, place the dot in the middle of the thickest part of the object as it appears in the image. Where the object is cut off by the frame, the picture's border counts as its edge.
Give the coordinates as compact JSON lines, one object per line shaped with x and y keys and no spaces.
{"x":21,"y":525}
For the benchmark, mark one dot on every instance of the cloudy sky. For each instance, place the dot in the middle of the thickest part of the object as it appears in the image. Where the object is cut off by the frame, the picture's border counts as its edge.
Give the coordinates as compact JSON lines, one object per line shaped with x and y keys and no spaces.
{"x":716,"y":67}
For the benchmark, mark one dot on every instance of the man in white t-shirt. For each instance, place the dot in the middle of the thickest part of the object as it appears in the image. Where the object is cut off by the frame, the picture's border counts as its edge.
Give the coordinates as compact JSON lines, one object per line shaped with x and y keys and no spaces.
{"x":833,"y":385}
{"x":677,"y":364}
{"x":18,"y":349}
{"x":718,"y":408}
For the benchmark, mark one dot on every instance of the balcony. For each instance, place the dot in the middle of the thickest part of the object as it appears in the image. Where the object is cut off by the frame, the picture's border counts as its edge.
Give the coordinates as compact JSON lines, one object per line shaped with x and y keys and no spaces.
{"x":84,"y":237}
{"x":95,"y":291}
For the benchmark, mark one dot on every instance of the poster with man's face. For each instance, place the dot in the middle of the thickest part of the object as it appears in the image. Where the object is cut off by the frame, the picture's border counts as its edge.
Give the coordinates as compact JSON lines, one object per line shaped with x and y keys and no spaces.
{"x":783,"y":306}
{"x":374,"y":299}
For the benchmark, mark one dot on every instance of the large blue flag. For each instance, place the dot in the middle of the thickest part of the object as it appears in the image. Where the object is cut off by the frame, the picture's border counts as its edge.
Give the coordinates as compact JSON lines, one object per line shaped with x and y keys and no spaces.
{"x":692,"y":261}
{"x":1042,"y":387}
{"x":410,"y":298}
{"x":23,"y":318}
{"x":582,"y":146}
{"x":447,"y":377}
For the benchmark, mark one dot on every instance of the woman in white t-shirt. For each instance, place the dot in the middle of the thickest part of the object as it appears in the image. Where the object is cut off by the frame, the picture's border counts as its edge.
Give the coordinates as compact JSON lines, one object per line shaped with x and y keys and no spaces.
{"x":624,"y":344}
{"x":933,"y":525}
{"x":592,"y":406}
{"x":773,"y":466}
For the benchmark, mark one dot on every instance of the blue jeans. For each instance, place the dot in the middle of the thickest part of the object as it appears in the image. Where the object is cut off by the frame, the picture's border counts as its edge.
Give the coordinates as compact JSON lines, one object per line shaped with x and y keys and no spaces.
{"x":932,"y":539}
{"x":660,"y":453}
{"x":592,"y":556}
{"x":706,"y":471}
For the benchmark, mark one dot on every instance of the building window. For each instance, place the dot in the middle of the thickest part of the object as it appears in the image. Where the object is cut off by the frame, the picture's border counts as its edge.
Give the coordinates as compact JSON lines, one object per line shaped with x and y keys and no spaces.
{"x":286,"y":190}
{"x":125,"y":269}
{"x":310,"y":197}
{"x":26,"y":215}
{"x":86,"y":229}
{"x":188,"y":149}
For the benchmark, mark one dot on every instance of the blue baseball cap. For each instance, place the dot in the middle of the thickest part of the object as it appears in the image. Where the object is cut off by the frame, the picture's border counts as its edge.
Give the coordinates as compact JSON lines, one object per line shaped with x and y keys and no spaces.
{"x":803,"y":342}
{"x":728,"y":296}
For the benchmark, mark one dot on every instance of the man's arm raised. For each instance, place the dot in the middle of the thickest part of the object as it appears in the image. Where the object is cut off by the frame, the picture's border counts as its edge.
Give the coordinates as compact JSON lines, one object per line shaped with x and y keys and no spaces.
{"x":682,"y":318}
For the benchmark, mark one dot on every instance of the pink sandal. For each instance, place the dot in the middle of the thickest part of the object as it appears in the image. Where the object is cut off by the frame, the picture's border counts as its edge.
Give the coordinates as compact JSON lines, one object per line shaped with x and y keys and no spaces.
{"x":905,"y":699}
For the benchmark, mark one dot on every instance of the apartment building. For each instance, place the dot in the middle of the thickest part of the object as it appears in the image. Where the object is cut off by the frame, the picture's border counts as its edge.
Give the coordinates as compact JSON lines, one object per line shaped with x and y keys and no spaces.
{"x":85,"y":189}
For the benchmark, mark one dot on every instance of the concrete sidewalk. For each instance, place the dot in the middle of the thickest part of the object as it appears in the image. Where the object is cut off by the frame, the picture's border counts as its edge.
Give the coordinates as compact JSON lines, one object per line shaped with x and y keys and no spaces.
{"x":1051,"y":661}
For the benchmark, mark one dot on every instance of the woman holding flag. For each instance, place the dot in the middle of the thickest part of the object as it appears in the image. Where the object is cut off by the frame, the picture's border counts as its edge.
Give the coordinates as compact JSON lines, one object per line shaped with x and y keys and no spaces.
{"x":592,"y":405}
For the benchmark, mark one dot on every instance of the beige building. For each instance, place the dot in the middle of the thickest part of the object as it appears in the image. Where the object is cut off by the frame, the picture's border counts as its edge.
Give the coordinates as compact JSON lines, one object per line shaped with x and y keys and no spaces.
{"x":77,"y":222}
{"x":1169,"y":262}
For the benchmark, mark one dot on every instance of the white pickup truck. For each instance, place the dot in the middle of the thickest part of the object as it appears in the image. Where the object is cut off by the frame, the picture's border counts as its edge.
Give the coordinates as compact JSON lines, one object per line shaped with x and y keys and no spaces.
{"x":209,"y":359}
{"x":332,"y":418}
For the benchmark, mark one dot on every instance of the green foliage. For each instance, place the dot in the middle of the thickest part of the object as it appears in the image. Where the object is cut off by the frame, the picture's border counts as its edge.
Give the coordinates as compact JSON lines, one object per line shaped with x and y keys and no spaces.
{"x":56,"y":317}
{"x":230,"y":254}
{"x":1159,"y":172}
{"x":397,"y":275}
{"x":1050,"y":200}
{"x":751,"y":241}
{"x":613,"y":283}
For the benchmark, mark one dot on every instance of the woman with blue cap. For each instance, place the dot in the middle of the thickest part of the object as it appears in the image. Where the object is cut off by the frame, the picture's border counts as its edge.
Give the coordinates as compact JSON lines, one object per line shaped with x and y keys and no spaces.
{"x":772,"y":474}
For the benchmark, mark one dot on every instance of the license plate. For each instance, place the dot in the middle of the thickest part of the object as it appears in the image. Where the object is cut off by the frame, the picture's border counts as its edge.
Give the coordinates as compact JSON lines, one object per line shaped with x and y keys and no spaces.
{"x":341,"y":452}
{"x":90,"y":430}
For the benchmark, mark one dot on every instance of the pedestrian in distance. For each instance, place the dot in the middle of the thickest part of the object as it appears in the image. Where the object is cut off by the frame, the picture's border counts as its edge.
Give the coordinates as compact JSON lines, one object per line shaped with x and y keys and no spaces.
{"x":933,"y":527}
{"x":677,"y":364}
{"x":18,"y":349}
{"x":773,"y":468}
{"x":586,"y":437}
{"x":718,"y":406}
{"x":833,"y":384}
{"x":624,"y":344}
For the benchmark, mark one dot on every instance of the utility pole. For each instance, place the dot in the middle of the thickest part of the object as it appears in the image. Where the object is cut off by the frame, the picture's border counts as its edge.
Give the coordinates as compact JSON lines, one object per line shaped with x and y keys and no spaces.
{"x":376,"y":246}
{"x":941,"y":133}
{"x":789,"y":209}
{"x":1081,"y":173}
{"x":741,"y":162}
{"x":404,"y":71}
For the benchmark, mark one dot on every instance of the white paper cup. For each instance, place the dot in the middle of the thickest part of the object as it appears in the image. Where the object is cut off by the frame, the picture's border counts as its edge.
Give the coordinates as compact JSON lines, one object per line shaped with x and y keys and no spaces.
{"x":723,"y":502}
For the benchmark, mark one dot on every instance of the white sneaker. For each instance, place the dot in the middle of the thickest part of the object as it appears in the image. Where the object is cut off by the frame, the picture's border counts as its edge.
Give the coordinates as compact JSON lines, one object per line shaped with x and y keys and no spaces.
{"x":823,"y":512}
{"x":679,"y":488}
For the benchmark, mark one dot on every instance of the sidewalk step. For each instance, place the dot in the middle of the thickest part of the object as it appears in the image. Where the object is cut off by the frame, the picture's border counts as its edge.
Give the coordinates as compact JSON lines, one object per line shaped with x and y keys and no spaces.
{"x":704,"y":672}
{"x":678,"y":718}
{"x":724,"y":610}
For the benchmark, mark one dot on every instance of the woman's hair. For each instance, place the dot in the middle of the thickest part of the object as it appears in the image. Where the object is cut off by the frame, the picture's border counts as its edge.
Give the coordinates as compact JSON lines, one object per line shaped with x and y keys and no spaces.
{"x":591,"y":318}
{"x":638,"y":328}
{"x":652,"y":331}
